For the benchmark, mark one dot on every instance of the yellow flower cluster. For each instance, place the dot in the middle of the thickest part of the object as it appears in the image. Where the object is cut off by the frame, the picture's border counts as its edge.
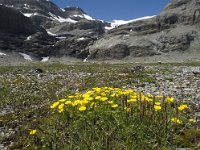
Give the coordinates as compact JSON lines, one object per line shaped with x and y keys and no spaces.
{"x":176,"y":120}
{"x":119,"y":99}
{"x":92,"y":98}
{"x":192,"y":120}
{"x":183,"y":107}
{"x":108,"y":95}
{"x":32,"y":132}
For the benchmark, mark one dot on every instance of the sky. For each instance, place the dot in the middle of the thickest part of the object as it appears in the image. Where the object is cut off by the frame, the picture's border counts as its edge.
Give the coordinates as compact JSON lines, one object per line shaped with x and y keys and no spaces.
{"x":109,"y":10}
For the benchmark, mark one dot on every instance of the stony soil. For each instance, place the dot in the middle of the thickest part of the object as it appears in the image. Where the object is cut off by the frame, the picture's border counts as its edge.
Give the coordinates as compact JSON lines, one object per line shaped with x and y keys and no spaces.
{"x":44,"y":82}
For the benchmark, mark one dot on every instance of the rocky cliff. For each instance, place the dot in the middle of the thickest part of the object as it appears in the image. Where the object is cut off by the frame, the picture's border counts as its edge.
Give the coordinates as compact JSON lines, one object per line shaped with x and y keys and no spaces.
{"x":17,"y":31}
{"x":175,"y":29}
{"x":39,"y":28}
{"x":33,"y":19}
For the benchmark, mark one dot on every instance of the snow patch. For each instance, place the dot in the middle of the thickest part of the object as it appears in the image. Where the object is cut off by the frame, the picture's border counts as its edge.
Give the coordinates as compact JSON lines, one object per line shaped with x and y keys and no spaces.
{"x":61,"y":37}
{"x":88,"y":17}
{"x":81,"y":39}
{"x":62,"y":9}
{"x":28,"y":38}
{"x":26,"y":6}
{"x":52,"y":34}
{"x":44,"y":59}
{"x":84,"y":16}
{"x":101,"y":20}
{"x":1,"y":54}
{"x":28,"y":14}
{"x":85,"y":60}
{"x":27,"y":57}
{"x":60,"y":19}
{"x":116,"y":23}
{"x":31,"y":14}
{"x":81,"y":16}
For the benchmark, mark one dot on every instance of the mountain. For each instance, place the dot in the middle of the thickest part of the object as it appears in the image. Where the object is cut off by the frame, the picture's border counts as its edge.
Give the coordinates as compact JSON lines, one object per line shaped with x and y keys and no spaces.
{"x":33,"y":19}
{"x":116,"y":23}
{"x":40,"y":29}
{"x":46,"y":14}
{"x":176,"y":29}
{"x":15,"y":31}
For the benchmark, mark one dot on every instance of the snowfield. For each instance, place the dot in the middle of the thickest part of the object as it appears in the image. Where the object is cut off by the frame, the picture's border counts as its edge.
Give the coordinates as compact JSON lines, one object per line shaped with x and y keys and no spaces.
{"x":116,"y":23}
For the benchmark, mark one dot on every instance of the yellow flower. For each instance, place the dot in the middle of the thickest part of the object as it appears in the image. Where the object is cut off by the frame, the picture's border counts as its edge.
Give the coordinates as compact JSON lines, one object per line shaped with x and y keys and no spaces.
{"x":149,"y":95}
{"x":68,"y":102}
{"x":131,"y":100}
{"x":175,"y":120}
{"x":97,"y":97}
{"x":71,"y":96}
{"x":192,"y":120}
{"x":127,"y":109}
{"x":87,"y":96}
{"x":110,"y":88}
{"x":61,"y":106}
{"x":76,"y":102}
{"x":143,"y":98}
{"x":61,"y":110}
{"x":90,"y":98}
{"x":54,"y":105}
{"x":127,"y":92}
{"x":83,"y":102}
{"x":110,"y":102}
{"x":103,"y":98}
{"x":133,"y":97}
{"x":149,"y":99}
{"x":169,"y":99}
{"x":158,"y":96}
{"x":106,"y":91}
{"x":182,"y":107}
{"x":62,"y":100}
{"x":158,"y":103}
{"x":103,"y":94}
{"x":113,"y":95}
{"x":92,"y":105}
{"x":156,"y":107}
{"x":97,"y":89}
{"x":32,"y":132}
{"x":82,"y":108}
{"x":114,"y":106}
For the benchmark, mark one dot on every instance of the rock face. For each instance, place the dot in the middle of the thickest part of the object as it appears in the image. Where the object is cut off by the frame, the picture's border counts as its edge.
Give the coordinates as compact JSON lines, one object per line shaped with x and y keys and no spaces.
{"x":71,"y":47}
{"x":38,"y":10}
{"x":39,"y":28}
{"x":32,"y":18}
{"x":175,"y":29}
{"x":46,"y":13}
{"x":15,"y":29}
{"x":14,"y":22}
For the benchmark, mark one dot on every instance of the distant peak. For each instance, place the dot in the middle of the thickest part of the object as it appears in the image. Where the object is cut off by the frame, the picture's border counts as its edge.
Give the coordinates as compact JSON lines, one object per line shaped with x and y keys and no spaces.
{"x":73,"y":8}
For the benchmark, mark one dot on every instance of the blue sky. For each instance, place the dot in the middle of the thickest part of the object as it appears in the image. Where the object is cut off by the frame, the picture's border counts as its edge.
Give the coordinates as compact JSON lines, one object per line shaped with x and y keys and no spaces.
{"x":109,"y":10}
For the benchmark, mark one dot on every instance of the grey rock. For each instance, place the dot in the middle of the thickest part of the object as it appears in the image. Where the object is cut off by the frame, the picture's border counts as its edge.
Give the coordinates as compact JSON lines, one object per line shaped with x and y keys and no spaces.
{"x":14,"y":30}
{"x":28,"y":35}
{"x":175,"y":29}
{"x":74,"y":47}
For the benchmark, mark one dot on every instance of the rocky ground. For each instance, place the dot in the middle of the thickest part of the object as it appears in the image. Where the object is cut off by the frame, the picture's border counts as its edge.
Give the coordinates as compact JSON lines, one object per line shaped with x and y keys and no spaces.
{"x":27,"y":89}
{"x":14,"y":59}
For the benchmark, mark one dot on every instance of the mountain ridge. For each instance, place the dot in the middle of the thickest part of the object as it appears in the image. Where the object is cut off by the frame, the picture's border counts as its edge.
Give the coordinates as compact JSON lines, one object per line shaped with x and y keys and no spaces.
{"x":175,"y":29}
{"x":71,"y":32}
